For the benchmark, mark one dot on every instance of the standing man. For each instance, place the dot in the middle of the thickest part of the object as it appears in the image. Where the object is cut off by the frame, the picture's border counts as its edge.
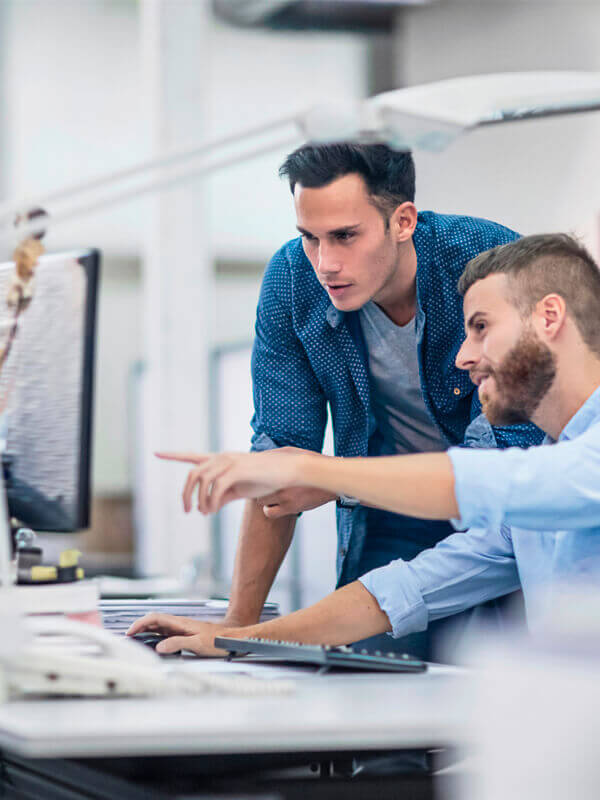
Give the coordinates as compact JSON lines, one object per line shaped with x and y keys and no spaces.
{"x":362,"y":314}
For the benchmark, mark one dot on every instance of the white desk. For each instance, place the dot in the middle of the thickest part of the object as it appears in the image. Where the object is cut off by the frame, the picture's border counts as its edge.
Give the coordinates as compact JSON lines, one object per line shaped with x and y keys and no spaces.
{"x":228,"y":746}
{"x":325,"y":713}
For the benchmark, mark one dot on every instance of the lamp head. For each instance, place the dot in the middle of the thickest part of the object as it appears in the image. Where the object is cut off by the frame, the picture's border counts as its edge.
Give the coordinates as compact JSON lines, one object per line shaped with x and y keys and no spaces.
{"x":431,"y":116}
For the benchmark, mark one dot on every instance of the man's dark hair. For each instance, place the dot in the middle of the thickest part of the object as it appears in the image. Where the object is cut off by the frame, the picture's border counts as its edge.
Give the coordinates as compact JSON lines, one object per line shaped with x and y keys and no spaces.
{"x":388,"y":174}
{"x":552,"y":263}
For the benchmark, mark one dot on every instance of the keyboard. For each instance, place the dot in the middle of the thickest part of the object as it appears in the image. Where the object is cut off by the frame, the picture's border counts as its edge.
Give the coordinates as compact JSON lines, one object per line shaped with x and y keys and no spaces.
{"x":321,"y":655}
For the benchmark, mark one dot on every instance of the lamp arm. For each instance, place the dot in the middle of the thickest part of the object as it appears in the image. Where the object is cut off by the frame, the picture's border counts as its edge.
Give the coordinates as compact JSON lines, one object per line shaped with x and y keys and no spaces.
{"x":428,"y":117}
{"x":204,"y":158}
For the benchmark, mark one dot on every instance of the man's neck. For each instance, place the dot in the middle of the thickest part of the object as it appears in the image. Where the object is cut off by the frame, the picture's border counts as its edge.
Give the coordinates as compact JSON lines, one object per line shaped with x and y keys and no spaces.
{"x":574,"y":384}
{"x":398,"y":298}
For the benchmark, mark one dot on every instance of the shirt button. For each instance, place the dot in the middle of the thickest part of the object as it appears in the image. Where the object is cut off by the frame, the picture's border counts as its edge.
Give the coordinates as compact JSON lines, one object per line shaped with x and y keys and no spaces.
{"x":343,"y":551}
{"x":456,"y":390}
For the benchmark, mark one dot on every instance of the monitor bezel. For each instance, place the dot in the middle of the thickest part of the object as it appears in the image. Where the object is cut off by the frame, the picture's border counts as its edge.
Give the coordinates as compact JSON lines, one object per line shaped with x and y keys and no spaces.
{"x":90,"y":261}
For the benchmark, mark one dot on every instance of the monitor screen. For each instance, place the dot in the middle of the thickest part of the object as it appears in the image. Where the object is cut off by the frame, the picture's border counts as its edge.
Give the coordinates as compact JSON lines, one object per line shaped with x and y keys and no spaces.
{"x":46,"y":386}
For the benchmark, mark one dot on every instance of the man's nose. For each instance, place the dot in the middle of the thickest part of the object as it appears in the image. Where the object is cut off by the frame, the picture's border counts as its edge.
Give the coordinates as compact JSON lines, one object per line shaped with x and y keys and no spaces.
{"x":328,"y":263}
{"x":466,"y":357}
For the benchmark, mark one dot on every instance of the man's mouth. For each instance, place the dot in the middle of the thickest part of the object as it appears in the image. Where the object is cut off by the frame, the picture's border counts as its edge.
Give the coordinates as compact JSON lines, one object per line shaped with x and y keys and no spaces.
{"x":479,"y":378}
{"x":337,"y":288}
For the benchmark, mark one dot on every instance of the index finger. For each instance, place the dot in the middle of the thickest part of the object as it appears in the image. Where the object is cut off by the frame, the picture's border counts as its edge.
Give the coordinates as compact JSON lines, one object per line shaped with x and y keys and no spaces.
{"x":188,"y":458}
{"x":147,"y":622}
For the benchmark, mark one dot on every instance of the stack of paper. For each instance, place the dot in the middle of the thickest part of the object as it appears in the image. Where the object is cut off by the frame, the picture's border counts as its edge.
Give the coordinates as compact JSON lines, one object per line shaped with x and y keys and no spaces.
{"x":159,"y":585}
{"x":76,"y":599}
{"x":118,"y":615}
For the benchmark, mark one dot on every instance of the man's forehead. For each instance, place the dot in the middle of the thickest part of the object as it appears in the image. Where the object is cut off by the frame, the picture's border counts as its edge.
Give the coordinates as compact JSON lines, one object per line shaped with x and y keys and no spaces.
{"x":336,"y":205}
{"x":341,"y":194}
{"x":486,"y":294}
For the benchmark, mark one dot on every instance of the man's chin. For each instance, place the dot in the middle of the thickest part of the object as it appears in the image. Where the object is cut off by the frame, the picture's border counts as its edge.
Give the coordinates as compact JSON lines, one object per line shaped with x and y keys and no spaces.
{"x":346,"y":304}
{"x":496,"y":414}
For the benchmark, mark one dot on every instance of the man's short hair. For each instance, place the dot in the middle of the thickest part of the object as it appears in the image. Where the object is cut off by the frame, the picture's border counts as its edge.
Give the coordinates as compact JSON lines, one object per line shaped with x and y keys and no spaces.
{"x":553,"y":263}
{"x":388,"y":174}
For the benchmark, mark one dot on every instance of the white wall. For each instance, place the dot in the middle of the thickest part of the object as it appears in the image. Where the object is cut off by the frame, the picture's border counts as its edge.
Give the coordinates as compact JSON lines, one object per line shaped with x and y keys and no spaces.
{"x":3,"y":102}
{"x":235,"y":308}
{"x":534,"y":176}
{"x":257,"y":76}
{"x":74,"y":109}
{"x":118,"y":349}
{"x":73,"y":96}
{"x":73,"y":106}
{"x":71,"y":79}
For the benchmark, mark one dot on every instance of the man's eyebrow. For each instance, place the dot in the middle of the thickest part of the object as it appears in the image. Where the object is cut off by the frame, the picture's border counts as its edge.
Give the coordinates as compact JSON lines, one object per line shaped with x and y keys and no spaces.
{"x":333,"y":232}
{"x":344,"y":229}
{"x":471,"y":321}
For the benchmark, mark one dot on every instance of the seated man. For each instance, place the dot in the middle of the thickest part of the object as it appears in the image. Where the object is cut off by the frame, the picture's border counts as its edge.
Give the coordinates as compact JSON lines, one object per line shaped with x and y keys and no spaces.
{"x":532,"y":347}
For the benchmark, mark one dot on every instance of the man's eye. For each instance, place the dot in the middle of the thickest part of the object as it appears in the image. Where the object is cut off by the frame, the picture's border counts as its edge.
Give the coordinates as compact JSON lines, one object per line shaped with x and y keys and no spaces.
{"x":345,"y":236}
{"x":308,"y":237}
{"x":480,"y":327}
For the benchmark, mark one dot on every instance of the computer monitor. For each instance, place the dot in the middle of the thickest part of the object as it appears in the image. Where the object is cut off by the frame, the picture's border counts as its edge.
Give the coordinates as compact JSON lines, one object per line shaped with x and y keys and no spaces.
{"x":46,"y":389}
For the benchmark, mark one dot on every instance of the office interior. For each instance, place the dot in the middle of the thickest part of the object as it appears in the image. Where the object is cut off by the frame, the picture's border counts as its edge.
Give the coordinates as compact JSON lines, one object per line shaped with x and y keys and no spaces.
{"x":119,"y":82}
{"x":92,"y":86}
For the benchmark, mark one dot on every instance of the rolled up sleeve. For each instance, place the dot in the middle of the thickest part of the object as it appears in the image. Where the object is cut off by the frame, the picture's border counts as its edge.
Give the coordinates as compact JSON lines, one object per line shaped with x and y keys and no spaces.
{"x":398,"y":595}
{"x":461,"y":571}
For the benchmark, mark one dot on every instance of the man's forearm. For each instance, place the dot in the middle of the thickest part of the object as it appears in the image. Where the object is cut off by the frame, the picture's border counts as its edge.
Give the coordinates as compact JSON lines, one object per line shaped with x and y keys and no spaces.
{"x":419,"y":485}
{"x":347,"y":615}
{"x":261,"y":548}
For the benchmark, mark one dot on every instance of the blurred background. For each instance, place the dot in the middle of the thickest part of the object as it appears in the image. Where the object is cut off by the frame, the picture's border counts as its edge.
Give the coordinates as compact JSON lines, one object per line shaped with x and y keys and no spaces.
{"x":88,"y":86}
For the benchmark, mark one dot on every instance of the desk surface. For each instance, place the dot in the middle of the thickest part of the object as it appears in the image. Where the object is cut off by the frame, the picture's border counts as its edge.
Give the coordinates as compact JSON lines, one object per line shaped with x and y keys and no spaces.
{"x":325,"y":713}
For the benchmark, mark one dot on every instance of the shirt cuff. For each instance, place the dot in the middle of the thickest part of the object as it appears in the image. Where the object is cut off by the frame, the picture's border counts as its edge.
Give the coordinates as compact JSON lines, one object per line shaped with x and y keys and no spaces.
{"x":480,"y":487}
{"x":398,"y":595}
{"x":261,"y":442}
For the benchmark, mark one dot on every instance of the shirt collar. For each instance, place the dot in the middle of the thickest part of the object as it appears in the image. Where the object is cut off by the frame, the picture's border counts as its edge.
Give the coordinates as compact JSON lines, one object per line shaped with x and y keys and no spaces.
{"x":588,"y":414}
{"x":334,"y":315}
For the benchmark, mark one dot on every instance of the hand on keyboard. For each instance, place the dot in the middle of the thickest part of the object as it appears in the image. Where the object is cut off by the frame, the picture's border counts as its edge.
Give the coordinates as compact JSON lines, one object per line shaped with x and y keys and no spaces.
{"x":182,"y":633}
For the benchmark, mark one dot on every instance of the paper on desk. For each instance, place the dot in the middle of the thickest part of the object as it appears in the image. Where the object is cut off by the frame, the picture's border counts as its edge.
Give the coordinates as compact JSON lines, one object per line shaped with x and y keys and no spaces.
{"x":118,"y":615}
{"x":111,"y":586}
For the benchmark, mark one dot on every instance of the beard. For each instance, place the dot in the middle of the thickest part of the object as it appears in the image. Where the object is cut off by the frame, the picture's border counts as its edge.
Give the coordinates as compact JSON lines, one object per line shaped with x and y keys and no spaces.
{"x":522,"y":381}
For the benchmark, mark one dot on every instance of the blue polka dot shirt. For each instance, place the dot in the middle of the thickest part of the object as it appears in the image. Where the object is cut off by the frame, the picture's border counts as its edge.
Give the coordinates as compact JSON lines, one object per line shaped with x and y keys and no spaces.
{"x":307,"y":356}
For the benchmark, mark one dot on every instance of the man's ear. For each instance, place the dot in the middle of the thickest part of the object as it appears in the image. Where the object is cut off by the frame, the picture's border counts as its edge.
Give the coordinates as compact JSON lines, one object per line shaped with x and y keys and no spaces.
{"x":550,"y":313}
{"x":403,"y":221}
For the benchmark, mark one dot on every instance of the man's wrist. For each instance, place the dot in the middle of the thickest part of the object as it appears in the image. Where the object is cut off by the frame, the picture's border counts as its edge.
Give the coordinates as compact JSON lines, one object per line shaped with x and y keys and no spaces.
{"x":309,"y":466}
{"x":233,"y":631}
{"x":234,"y":620}
{"x":303,"y":468}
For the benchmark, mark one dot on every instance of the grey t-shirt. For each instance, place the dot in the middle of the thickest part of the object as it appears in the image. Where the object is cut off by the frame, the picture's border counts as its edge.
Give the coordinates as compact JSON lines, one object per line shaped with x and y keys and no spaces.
{"x":396,"y":396}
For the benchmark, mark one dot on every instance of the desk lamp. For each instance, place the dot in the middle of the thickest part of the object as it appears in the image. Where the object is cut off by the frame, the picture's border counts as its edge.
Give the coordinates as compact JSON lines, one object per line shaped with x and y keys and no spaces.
{"x":427,"y":117}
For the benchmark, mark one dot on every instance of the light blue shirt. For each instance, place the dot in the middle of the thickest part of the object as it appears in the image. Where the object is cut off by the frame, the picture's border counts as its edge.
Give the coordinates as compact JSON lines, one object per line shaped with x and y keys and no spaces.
{"x":534,"y":519}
